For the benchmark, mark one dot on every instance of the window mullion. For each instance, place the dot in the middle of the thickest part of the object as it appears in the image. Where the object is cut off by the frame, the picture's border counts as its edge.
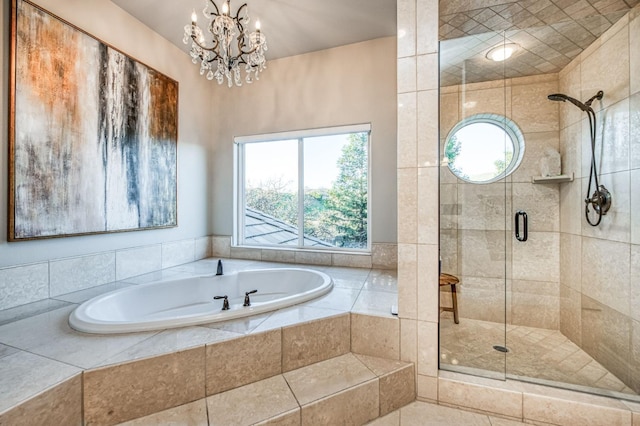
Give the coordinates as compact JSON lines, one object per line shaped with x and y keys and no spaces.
{"x":300,"y":192}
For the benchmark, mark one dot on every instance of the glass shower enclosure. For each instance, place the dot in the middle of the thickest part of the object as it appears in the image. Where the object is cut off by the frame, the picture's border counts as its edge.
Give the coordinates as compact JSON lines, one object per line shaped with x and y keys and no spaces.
{"x":544,"y":296}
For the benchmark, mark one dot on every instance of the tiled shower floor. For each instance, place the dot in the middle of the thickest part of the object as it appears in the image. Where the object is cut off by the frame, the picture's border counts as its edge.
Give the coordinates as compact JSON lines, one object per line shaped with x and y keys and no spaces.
{"x":534,"y":353}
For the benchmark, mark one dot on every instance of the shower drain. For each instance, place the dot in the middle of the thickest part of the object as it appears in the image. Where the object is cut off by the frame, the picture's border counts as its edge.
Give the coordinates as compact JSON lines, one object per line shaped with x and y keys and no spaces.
{"x":500,"y":348}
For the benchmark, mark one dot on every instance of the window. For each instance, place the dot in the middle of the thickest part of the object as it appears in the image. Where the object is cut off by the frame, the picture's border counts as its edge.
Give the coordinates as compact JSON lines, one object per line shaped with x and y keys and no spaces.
{"x":484,"y":148}
{"x":304,"y":189}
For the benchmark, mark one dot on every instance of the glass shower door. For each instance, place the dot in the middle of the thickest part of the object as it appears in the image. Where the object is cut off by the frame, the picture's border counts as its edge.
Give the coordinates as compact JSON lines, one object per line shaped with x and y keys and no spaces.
{"x":475,"y":225}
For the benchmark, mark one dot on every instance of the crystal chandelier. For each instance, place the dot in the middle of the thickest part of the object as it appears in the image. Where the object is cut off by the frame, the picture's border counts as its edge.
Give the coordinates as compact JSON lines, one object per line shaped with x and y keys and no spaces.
{"x":232,"y":47}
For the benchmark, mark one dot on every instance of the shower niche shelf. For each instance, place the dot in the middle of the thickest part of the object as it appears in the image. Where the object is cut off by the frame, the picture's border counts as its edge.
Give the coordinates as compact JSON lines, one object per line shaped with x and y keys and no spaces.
{"x":552,"y":179}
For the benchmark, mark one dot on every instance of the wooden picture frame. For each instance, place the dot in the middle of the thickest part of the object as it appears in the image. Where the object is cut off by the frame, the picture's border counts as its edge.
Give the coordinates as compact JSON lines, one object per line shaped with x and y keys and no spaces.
{"x":92,"y":134}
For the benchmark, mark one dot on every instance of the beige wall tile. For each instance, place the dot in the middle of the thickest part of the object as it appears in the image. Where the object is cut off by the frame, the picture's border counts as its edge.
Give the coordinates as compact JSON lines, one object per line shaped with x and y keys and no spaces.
{"x":178,"y":252}
{"x":220,"y":246}
{"x":428,"y":349}
{"x":569,"y":84}
{"x":571,"y":261}
{"x":313,"y":258}
{"x":479,"y":298}
{"x":482,"y":253}
{"x":482,"y":207}
{"x":203,"y":248}
{"x":427,"y":16}
{"x":571,"y":207}
{"x":606,"y":336}
{"x":283,"y":256}
{"x":428,"y":72}
{"x":138,"y":261}
{"x":406,"y":21}
{"x":427,"y":388}
{"x":384,"y":256}
{"x":136,"y":389}
{"x":408,"y":281}
{"x":428,"y":283}
{"x":246,"y":253}
{"x":397,"y":389}
{"x":535,"y":146}
{"x":616,"y":224}
{"x":634,"y":130}
{"x":407,"y":130}
{"x":340,"y":408}
{"x":375,"y":336}
{"x":634,"y":55}
{"x":531,"y":109}
{"x":605,"y":272}
{"x":607,"y":69}
{"x":449,"y":110}
{"x":480,"y":397}
{"x":535,"y":304}
{"x":428,"y":205}
{"x":490,"y":101}
{"x":537,"y":259}
{"x":613,"y":132}
{"x":570,"y":314}
{"x":252,"y":403}
{"x":242,"y":361}
{"x":59,"y":405}
{"x":550,"y":410}
{"x":23,"y":284}
{"x":79,"y":273}
{"x":407,"y":74}
{"x":635,"y":282}
{"x":351,"y":260}
{"x":542,"y":216}
{"x":409,"y":340}
{"x":427,"y":120}
{"x":315,"y":341}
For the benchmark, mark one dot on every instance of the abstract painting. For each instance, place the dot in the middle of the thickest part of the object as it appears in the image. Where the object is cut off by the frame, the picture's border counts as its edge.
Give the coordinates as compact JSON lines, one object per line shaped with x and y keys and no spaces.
{"x":93,"y":134}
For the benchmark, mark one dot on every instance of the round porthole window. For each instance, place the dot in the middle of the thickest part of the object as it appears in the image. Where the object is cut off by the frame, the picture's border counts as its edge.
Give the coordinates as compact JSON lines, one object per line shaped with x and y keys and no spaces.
{"x":484,"y":148}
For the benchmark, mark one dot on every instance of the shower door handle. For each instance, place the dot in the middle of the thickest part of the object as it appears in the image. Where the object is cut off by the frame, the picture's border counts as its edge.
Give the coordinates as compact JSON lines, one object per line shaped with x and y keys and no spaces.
{"x":525,"y":233}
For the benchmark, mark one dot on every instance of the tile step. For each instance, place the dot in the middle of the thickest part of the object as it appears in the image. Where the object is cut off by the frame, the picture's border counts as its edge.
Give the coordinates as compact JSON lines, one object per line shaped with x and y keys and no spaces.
{"x":350,"y":389}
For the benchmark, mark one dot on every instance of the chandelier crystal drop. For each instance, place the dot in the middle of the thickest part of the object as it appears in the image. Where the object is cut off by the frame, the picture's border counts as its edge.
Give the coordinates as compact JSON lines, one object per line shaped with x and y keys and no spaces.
{"x":232,"y":47}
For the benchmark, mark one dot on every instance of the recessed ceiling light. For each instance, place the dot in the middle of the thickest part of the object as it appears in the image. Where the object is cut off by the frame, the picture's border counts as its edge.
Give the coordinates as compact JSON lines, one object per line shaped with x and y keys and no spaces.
{"x":502,"y":52}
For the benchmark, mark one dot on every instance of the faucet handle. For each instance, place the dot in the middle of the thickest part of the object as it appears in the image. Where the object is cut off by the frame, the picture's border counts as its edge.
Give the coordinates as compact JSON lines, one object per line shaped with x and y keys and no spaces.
{"x":225,"y":302}
{"x":247,"y":302}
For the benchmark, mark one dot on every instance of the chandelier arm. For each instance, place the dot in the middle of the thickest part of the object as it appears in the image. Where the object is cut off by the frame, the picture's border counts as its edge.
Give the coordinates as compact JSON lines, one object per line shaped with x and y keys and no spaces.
{"x":239,"y":19}
{"x":217,"y":12}
{"x":203,"y":47}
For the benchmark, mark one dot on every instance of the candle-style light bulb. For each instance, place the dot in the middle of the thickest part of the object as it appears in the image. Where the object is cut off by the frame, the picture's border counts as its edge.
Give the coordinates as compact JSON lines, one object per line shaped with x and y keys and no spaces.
{"x":258,"y":25}
{"x":194,"y":17}
{"x":225,"y":8}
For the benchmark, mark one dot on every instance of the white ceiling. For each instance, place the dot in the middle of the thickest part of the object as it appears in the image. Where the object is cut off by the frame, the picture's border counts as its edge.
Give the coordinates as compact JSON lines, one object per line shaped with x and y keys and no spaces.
{"x":292,"y":27}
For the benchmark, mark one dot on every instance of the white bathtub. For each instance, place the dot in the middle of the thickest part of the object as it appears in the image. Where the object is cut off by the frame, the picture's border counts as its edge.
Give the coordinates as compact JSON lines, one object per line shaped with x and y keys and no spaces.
{"x":189,"y":301}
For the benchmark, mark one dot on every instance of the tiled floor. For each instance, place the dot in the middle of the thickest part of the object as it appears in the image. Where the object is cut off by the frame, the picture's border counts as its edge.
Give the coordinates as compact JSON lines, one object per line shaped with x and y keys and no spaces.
{"x":535,"y":353}
{"x":415,"y":414}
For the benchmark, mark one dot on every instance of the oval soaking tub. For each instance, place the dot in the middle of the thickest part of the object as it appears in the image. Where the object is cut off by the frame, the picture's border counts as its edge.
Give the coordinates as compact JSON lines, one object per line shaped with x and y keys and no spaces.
{"x":190,"y":301}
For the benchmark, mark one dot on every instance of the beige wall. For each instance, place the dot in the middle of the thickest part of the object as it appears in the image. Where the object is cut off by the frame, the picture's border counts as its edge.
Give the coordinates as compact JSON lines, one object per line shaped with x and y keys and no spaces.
{"x":600,"y":266}
{"x":105,"y":21}
{"x":418,"y":189}
{"x":346,"y":85}
{"x":476,"y":225}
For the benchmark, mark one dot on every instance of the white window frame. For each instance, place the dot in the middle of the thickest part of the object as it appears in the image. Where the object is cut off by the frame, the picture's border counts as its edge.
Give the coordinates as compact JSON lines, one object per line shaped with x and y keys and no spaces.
{"x":239,"y":180}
